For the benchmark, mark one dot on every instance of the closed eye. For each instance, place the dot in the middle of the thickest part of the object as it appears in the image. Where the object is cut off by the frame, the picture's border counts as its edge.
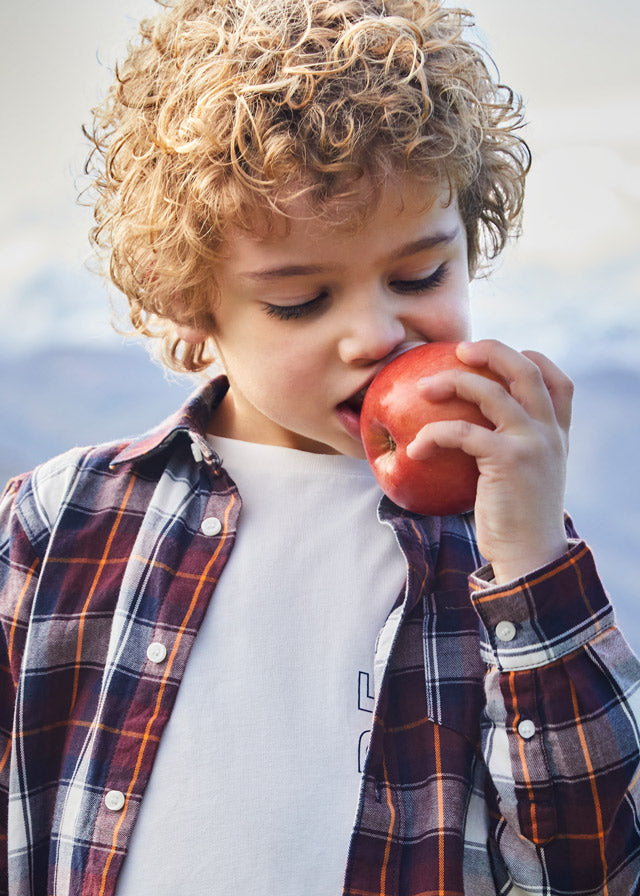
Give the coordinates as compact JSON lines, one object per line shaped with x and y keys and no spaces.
{"x":424,"y":284}
{"x":295,"y":312}
{"x":317,"y":304}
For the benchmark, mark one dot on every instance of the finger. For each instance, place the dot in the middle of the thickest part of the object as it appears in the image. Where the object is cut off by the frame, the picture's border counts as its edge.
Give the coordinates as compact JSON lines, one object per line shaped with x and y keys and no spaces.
{"x":559,"y":386}
{"x":522,"y":375}
{"x":490,"y":397}
{"x":472,"y":438}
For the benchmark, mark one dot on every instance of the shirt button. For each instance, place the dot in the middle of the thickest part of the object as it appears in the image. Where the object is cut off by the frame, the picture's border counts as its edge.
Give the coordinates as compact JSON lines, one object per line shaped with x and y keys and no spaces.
{"x":197,"y":452}
{"x":156,"y":652}
{"x":114,"y":800}
{"x":505,"y":630}
{"x":526,"y":729}
{"x":211,"y":525}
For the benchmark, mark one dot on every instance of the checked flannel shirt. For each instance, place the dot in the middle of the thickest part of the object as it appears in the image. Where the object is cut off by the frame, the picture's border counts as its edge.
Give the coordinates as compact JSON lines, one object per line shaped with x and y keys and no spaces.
{"x":503,"y":757}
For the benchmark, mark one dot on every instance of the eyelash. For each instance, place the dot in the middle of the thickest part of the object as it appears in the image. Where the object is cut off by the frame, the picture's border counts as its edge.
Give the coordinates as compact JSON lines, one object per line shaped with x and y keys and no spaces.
{"x":294,"y":312}
{"x":423,"y":285}
{"x":306,"y":309}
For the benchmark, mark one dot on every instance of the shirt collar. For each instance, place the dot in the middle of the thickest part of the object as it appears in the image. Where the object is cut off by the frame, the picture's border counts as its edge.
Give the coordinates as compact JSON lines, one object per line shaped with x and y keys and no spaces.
{"x":418,"y":536}
{"x":192,"y":419}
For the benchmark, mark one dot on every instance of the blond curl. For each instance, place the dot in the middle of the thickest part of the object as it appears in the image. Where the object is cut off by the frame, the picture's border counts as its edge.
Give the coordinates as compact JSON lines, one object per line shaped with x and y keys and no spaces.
{"x":225,"y":108}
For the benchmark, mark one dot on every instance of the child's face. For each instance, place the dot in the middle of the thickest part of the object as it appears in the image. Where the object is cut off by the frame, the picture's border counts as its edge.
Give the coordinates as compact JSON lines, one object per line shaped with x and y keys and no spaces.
{"x":307,"y":316}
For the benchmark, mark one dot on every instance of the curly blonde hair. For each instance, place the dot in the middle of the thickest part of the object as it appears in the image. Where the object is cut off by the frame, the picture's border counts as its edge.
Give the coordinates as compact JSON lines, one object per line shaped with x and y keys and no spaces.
{"x":224,"y":107}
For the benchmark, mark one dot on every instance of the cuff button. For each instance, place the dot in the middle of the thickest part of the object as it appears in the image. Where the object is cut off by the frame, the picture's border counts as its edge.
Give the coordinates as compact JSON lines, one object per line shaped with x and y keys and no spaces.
{"x":114,"y":800}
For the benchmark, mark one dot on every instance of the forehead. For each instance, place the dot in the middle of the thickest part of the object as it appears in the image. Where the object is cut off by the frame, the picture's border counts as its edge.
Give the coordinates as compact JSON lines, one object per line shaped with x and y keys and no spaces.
{"x":397,"y":200}
{"x":404,"y":227}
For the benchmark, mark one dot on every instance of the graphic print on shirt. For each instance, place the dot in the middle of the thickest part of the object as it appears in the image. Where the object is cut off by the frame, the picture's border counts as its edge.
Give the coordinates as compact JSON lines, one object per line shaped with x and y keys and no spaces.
{"x":365,"y":704}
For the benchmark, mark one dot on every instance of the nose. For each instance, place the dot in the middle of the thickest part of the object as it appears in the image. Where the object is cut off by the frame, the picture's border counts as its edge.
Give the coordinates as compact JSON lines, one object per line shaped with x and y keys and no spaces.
{"x":372,"y":332}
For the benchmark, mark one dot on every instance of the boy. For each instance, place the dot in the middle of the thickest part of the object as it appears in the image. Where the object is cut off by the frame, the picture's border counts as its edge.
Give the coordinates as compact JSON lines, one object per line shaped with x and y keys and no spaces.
{"x":427,"y":706}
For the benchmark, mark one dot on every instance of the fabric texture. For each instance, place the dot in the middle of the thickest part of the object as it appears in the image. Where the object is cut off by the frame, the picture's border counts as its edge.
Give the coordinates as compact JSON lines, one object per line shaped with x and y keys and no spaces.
{"x":312,"y":570}
{"x":494,"y":766}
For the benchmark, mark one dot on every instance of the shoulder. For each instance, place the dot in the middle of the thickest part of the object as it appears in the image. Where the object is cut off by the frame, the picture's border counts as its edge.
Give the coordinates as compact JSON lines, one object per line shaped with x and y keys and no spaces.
{"x":84,"y":480}
{"x":34,"y":499}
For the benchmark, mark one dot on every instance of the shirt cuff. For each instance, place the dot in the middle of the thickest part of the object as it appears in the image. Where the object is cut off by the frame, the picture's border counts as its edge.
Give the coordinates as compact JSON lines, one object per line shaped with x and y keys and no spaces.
{"x":543,"y":616}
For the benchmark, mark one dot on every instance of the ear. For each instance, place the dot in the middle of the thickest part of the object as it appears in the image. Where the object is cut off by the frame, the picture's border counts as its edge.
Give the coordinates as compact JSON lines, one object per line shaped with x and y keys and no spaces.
{"x":191,"y":335}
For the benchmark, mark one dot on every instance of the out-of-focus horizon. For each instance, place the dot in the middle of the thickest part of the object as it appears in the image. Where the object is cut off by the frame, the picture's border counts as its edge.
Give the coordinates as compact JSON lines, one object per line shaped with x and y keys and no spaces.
{"x":570,"y":287}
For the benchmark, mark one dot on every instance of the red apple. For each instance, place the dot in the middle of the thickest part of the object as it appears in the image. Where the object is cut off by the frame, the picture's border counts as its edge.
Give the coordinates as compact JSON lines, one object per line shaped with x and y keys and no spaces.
{"x":394,"y":411}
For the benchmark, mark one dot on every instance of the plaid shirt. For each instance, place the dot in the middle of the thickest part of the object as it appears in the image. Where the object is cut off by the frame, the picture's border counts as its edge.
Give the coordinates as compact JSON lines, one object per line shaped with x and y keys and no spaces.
{"x":504,"y":750}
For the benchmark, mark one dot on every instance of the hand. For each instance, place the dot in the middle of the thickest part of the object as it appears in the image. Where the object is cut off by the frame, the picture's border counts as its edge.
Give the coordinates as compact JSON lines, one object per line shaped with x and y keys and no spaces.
{"x":519,"y":509}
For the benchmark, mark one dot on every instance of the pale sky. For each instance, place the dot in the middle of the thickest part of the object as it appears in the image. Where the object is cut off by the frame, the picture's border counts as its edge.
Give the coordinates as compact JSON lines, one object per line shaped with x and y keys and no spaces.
{"x":574,"y":61}
{"x":576,"y":64}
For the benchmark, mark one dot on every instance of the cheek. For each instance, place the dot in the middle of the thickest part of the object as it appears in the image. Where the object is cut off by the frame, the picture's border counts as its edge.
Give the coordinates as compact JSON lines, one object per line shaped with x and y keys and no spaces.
{"x":278,"y":369}
{"x":449,"y":321}
{"x":458,"y":307}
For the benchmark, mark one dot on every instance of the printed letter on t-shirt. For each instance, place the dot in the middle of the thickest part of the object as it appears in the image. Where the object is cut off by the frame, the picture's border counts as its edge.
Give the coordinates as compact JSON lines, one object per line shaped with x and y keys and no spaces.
{"x":365,"y":704}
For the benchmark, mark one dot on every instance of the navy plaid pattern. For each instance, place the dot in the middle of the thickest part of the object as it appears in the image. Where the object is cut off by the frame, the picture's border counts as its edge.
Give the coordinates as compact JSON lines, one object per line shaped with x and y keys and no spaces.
{"x":494,"y":766}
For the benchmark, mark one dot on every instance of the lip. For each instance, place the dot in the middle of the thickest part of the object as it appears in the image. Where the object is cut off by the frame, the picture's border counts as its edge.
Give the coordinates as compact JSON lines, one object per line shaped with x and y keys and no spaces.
{"x":400,"y":350}
{"x":348,"y":411}
{"x":347,"y":414}
{"x":349,"y":420}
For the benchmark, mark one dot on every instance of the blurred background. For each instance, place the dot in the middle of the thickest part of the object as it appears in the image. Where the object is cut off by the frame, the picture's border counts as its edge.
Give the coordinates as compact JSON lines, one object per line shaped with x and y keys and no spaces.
{"x":570,"y":287}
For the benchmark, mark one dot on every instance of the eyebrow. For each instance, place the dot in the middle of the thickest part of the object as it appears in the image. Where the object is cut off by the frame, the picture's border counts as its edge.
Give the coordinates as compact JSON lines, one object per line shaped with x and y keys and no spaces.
{"x":293,"y":270}
{"x":427,"y":242}
{"x":422,"y":244}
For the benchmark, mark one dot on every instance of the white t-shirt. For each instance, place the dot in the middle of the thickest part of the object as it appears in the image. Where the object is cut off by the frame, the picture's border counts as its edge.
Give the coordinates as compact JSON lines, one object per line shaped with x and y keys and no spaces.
{"x":255,"y":786}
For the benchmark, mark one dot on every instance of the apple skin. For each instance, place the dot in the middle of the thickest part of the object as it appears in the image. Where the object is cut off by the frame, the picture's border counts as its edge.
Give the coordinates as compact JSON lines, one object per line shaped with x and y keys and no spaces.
{"x":392,"y":414}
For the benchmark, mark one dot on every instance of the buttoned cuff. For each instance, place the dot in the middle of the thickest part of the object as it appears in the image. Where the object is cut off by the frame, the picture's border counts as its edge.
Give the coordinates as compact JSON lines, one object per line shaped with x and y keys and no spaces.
{"x":543,"y":616}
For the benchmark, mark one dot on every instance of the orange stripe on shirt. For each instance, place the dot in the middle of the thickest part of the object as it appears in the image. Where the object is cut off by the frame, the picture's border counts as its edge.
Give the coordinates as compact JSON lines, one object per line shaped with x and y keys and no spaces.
{"x":84,"y":723}
{"x":14,"y":621}
{"x":116,"y":561}
{"x":523,"y":760}
{"x":94,"y":585}
{"x":12,"y":632}
{"x":586,"y":600}
{"x":5,"y":755}
{"x":551,"y":573}
{"x":418,"y":536}
{"x":392,"y":821}
{"x":147,"y":734}
{"x":394,"y":729}
{"x":441,"y":869}
{"x":438,"y":892}
{"x":592,"y":782}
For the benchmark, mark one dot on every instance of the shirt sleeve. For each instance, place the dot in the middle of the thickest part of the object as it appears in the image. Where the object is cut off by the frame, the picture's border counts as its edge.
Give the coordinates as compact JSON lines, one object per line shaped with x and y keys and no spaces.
{"x":561,"y":729}
{"x":19,"y":567}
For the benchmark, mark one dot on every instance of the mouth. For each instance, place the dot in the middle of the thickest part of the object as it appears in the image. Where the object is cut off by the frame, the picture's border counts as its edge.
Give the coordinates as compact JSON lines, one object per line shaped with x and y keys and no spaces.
{"x":354,"y":402}
{"x":348,"y":411}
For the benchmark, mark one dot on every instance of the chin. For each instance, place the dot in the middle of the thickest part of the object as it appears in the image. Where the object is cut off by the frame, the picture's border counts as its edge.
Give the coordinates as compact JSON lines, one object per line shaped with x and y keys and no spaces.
{"x":350,"y":448}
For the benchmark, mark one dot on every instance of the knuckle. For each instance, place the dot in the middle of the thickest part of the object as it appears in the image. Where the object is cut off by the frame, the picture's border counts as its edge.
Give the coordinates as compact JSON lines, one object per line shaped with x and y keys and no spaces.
{"x":498,"y":391}
{"x":462,"y":430}
{"x":526,"y":451}
{"x":522,"y":450}
{"x":532,"y":376}
{"x":568,"y":386}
